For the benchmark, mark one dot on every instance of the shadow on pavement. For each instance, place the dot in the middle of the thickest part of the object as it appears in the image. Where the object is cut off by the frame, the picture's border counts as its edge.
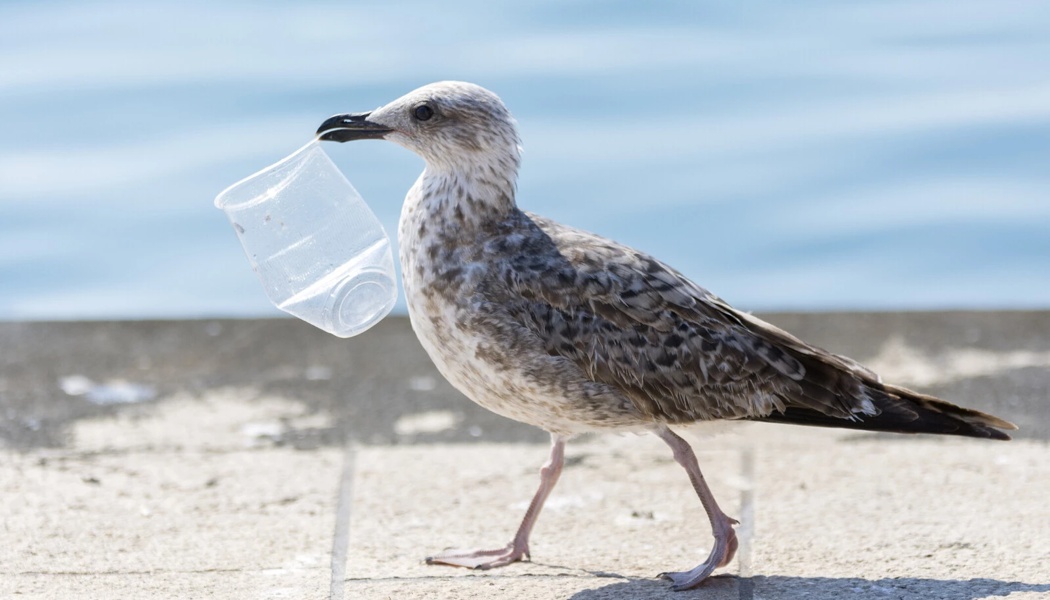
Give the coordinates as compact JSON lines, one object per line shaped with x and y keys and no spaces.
{"x":819,"y":588}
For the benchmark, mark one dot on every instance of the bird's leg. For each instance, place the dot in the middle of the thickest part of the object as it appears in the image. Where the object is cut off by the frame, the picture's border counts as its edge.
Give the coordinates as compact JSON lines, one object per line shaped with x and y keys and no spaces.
{"x":721,"y":525}
{"x":518,"y":548}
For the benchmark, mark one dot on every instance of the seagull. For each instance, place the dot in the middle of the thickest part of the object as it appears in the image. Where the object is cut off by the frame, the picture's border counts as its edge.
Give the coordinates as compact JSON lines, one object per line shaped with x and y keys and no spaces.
{"x":571,"y":332}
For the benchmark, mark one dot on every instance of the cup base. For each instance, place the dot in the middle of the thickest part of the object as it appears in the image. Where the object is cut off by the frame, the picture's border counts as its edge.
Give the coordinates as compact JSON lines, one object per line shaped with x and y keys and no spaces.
{"x":360,"y":302}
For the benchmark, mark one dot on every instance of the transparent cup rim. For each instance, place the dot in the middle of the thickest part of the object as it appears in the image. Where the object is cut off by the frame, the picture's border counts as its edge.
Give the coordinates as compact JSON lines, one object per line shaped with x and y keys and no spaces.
{"x":223,"y":203}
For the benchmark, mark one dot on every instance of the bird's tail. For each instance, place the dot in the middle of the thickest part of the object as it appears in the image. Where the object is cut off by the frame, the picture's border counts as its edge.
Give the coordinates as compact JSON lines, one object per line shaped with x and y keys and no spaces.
{"x":901,"y":410}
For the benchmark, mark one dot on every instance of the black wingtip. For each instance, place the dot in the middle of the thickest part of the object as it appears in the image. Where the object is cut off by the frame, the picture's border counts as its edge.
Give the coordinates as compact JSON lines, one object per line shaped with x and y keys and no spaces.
{"x":903,"y":411}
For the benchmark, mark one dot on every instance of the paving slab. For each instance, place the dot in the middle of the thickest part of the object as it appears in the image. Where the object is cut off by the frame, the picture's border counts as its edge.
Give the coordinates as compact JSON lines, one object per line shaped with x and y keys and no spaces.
{"x":182,"y":496}
{"x":912,"y":517}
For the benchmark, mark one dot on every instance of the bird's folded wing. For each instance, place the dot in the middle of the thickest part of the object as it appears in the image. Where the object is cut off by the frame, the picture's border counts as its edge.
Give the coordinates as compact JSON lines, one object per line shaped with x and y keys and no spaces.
{"x":679,"y":352}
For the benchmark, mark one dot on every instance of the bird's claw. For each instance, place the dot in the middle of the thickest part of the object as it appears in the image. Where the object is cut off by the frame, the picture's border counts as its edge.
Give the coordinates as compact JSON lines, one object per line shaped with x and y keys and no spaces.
{"x":687,"y":580}
{"x":721,"y":555}
{"x":481,"y":559}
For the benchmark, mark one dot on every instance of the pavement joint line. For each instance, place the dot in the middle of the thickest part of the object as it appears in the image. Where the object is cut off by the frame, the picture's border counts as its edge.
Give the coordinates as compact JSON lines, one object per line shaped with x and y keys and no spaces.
{"x":488,"y":576}
{"x":150,"y":572}
{"x":87,"y":455}
{"x":747,"y":523}
{"x":341,"y":535}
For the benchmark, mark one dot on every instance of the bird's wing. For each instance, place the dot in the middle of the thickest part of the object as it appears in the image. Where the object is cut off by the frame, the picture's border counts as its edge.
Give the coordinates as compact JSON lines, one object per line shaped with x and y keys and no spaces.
{"x":679,"y":352}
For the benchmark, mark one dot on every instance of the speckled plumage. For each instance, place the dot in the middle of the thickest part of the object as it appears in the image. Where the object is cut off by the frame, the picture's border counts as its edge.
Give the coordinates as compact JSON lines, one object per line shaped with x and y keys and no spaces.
{"x":572,"y":332}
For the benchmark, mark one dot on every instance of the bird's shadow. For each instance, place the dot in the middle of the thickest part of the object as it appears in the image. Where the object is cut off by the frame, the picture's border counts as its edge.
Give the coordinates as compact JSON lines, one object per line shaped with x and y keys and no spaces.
{"x":816,"y":588}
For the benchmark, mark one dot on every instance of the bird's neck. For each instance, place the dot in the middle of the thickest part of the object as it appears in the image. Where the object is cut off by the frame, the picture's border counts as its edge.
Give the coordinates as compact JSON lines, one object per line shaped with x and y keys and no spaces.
{"x":463,"y":200}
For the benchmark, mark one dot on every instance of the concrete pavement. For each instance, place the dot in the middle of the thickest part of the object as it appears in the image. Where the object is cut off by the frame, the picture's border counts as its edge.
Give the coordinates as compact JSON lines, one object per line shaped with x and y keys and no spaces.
{"x":264,"y":459}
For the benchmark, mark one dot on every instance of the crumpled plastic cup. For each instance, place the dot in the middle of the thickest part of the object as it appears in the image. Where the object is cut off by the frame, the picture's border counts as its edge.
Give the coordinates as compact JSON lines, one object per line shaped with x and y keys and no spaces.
{"x":320,"y":253}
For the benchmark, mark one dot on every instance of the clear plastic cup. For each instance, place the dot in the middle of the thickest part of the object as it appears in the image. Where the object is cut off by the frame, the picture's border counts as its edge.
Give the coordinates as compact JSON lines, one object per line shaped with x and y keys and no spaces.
{"x":319,"y":251}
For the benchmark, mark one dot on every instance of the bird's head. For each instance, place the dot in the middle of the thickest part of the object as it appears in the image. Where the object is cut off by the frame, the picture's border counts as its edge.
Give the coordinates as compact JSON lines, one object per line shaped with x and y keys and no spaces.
{"x":451,"y":124}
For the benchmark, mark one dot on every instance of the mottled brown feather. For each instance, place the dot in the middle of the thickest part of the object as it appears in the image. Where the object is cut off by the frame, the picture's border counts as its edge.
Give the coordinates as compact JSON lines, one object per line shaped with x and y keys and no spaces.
{"x":682,"y":354}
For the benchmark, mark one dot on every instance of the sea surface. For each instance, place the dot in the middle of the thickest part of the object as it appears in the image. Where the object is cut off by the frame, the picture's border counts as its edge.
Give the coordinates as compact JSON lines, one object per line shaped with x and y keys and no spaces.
{"x":785,"y":155}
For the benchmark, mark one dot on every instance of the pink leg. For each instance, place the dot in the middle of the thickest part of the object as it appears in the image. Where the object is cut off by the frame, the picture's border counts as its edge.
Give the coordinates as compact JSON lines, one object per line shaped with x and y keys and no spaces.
{"x":519,"y":547}
{"x":721,"y":525}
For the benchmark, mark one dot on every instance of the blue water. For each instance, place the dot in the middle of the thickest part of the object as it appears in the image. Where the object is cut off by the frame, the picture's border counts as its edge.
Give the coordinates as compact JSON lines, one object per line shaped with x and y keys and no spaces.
{"x":806,"y":155}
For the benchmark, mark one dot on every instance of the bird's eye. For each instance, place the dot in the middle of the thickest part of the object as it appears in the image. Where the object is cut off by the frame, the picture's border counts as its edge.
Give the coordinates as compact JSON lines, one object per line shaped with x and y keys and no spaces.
{"x":423,"y":112}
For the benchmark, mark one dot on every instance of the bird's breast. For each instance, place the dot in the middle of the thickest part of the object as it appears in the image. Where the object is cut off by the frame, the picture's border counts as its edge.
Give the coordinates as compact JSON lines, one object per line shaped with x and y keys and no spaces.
{"x":459,"y":307}
{"x":441,"y":280}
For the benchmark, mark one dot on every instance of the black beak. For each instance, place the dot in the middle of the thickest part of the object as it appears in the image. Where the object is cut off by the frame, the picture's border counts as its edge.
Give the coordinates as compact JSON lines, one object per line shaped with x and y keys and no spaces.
{"x":355,"y":126}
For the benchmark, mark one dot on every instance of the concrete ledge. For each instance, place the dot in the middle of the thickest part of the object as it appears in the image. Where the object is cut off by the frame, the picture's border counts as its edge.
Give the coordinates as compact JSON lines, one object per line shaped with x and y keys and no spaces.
{"x":211,"y":459}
